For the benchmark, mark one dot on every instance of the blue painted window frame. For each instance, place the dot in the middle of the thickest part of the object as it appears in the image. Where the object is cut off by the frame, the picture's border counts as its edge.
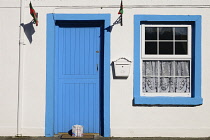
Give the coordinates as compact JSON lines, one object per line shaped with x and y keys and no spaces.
{"x":195,"y":99}
{"x":51,"y":19}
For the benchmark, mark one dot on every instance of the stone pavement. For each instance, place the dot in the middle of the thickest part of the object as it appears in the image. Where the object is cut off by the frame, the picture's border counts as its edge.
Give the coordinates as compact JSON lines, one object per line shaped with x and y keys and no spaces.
{"x":101,"y":138}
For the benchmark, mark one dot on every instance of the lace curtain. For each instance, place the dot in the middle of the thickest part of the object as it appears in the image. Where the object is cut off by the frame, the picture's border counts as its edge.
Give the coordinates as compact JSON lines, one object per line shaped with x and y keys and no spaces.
{"x":166,"y":76}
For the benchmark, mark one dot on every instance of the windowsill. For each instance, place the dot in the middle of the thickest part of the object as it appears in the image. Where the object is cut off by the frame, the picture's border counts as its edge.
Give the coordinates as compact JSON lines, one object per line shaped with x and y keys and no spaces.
{"x":182,"y":101}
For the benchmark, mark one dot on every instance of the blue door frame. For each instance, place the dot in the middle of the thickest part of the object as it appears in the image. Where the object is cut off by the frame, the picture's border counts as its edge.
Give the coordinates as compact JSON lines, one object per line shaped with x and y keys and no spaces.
{"x":50,"y":69}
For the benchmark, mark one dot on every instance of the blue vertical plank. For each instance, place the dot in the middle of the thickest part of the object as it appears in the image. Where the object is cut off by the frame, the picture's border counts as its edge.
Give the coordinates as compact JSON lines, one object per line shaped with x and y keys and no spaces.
{"x":95,"y":64}
{"x":77,"y":51}
{"x":90,"y":100}
{"x":76,"y":102}
{"x":67,"y":121}
{"x":86,"y":108}
{"x":71,"y":107}
{"x":97,"y":105}
{"x":63,"y":107}
{"x":67,"y":51}
{"x":87,"y":51}
{"x":72,"y":104}
{"x":63,"y":53}
{"x":60,"y":52}
{"x":97,"y":46}
{"x":82,"y":103}
{"x":91,"y":57}
{"x":82,"y":51}
{"x":73,"y":49}
{"x":59,"y":104}
{"x":94,"y":109}
{"x":94,"y":50}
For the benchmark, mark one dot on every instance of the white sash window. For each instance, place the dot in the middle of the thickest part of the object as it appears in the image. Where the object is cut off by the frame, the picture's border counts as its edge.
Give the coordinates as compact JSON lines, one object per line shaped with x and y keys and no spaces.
{"x":166,"y":60}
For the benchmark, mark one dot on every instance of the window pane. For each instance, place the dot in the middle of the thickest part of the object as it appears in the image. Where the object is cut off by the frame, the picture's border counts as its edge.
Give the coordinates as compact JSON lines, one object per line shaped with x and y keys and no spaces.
{"x":151,"y":33}
{"x":166,"y":85}
{"x":150,"y":47}
{"x":165,"y":33}
{"x":182,"y":68}
{"x":181,"y":48}
{"x":150,"y":68}
{"x":181,"y":33}
{"x":149,"y":84}
{"x":182,"y":85}
{"x":166,"y":81}
{"x":166,"y":68}
{"x":166,"y":48}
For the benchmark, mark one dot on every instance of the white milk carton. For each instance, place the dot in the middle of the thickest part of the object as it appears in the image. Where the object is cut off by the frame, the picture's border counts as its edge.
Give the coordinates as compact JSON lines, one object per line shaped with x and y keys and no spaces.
{"x":77,"y":130}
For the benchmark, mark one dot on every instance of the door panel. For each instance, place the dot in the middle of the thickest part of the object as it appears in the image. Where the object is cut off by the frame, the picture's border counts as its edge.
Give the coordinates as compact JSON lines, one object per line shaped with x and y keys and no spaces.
{"x":77,"y":97}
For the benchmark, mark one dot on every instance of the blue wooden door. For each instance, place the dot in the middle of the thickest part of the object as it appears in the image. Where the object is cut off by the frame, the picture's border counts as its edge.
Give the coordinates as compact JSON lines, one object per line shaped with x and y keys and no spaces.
{"x":77,"y":69}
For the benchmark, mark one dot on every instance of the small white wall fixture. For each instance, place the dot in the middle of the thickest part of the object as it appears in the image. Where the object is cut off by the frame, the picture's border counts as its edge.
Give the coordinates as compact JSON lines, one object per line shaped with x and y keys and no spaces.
{"x":122,"y":67}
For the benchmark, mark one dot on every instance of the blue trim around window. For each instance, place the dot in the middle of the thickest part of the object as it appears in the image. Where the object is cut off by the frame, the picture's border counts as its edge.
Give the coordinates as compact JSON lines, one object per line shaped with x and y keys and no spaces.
{"x":51,"y":18}
{"x":196,"y":98}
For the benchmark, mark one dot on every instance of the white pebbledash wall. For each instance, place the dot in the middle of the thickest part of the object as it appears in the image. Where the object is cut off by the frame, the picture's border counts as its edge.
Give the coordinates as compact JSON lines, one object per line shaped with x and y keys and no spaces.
{"x":126,"y":120}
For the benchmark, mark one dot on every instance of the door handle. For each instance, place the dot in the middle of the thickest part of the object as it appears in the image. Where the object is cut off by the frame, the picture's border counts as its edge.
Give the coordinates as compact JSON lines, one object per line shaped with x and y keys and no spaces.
{"x":97,"y":67}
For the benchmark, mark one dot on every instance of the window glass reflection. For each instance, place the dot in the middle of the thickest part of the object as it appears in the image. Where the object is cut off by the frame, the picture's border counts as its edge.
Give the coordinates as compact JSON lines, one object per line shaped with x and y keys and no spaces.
{"x":166,"y":33}
{"x":181,"y":33}
{"x":181,"y":48}
{"x":151,"y":48}
{"x":151,"y":33}
{"x":166,"y":48}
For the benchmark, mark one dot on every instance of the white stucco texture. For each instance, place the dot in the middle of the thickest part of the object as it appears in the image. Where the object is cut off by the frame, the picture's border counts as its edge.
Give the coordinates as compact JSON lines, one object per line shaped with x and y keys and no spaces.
{"x":126,"y":119}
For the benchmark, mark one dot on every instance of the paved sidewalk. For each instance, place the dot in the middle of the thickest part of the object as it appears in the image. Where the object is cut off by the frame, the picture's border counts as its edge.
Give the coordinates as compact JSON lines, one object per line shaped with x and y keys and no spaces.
{"x":101,"y":138}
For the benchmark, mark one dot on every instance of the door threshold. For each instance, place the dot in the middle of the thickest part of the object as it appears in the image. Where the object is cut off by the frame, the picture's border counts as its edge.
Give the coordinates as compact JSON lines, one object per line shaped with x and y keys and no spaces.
{"x":85,"y":136}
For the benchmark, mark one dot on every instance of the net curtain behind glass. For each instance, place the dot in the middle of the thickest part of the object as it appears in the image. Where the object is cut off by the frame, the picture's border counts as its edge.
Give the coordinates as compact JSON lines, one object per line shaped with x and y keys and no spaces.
{"x":165,"y":76}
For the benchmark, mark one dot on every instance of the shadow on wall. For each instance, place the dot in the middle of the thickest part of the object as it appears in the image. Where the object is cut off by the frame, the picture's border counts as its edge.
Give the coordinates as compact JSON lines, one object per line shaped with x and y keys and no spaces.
{"x":113,"y":73}
{"x":28,"y":30}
